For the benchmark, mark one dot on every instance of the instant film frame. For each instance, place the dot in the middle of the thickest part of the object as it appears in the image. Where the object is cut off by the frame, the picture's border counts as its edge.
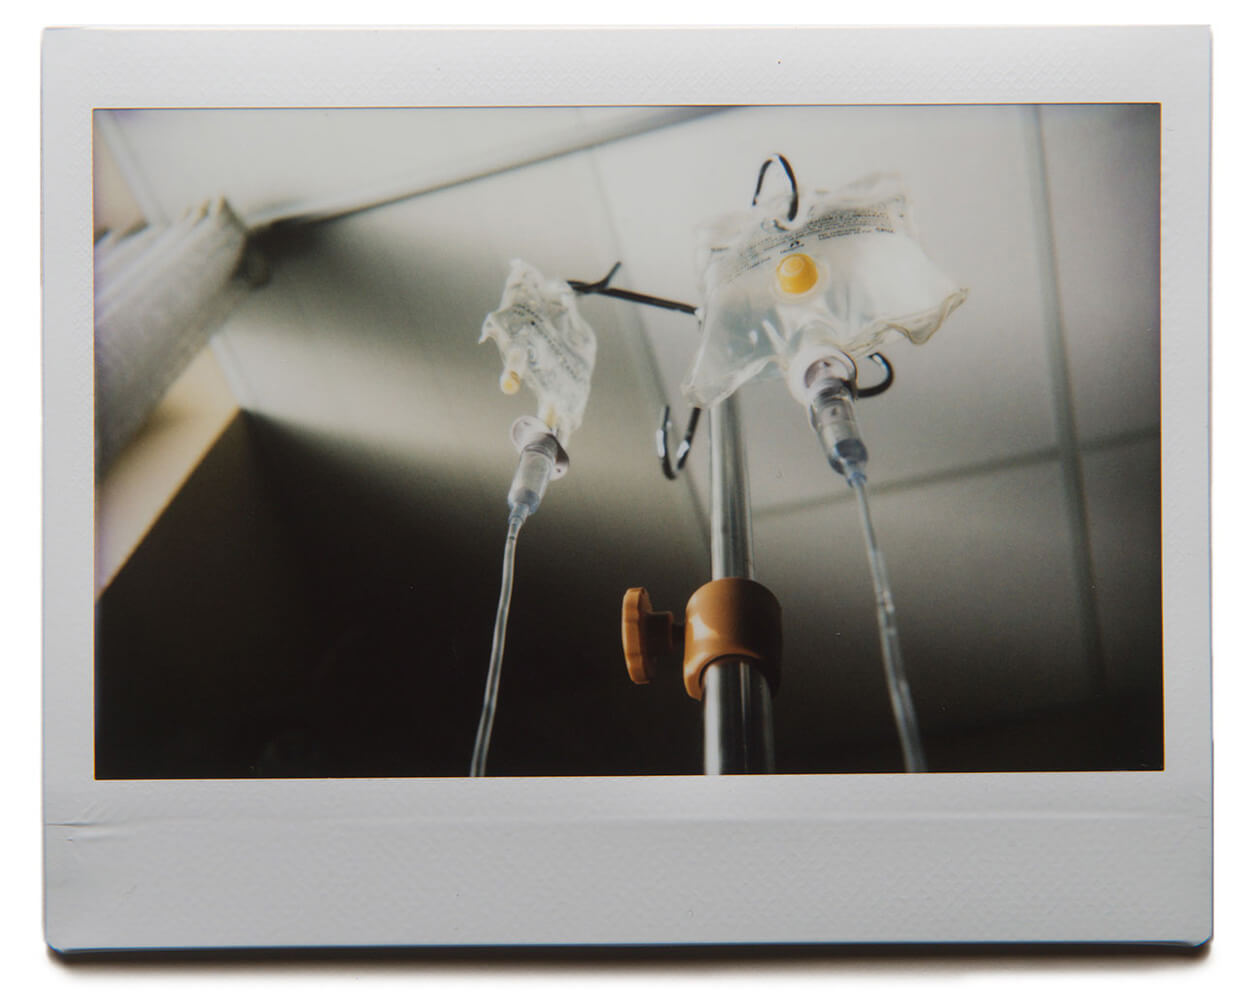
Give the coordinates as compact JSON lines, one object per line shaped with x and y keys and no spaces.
{"x":1013,"y":857}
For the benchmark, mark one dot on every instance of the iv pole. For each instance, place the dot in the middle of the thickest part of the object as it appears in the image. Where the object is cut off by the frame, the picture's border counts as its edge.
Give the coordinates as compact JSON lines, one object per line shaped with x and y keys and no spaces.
{"x":738,"y":725}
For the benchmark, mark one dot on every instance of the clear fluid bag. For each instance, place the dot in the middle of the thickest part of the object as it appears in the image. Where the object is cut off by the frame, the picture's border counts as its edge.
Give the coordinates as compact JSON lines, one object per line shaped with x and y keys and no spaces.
{"x":840,"y":276}
{"x":545,"y":345}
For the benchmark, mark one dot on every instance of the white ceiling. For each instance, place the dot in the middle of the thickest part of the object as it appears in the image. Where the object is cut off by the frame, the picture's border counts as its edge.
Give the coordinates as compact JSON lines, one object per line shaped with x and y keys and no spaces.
{"x":321,"y":161}
{"x":1014,"y":465}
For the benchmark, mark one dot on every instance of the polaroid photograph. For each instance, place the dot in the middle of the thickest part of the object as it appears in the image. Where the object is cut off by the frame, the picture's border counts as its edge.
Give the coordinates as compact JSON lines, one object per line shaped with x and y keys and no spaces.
{"x":505,"y":495}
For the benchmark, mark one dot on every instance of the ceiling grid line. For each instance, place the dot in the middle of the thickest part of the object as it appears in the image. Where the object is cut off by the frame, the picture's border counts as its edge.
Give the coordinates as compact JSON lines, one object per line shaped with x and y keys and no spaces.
{"x":959,"y":474}
{"x":1064,"y":416}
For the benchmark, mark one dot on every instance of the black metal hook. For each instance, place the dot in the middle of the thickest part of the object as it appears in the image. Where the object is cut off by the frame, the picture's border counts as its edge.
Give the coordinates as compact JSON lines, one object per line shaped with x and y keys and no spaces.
{"x":601,"y":287}
{"x":787,"y":168}
{"x":684,"y":448}
{"x":597,"y":286}
{"x":879,"y":389}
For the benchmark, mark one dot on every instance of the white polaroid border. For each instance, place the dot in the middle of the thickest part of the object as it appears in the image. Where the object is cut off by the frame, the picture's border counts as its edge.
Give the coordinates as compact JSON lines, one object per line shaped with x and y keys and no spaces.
{"x":1024,"y":857}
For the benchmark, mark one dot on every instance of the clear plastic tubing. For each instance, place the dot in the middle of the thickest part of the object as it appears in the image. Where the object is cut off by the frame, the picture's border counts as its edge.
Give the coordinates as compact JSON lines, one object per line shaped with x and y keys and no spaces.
{"x":832,"y":416}
{"x":538,"y":460}
{"x":482,"y":746}
{"x":890,"y":642}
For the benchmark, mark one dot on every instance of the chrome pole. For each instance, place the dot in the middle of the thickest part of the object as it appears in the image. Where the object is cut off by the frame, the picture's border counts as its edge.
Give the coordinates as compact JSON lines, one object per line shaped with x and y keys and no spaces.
{"x":738,"y":725}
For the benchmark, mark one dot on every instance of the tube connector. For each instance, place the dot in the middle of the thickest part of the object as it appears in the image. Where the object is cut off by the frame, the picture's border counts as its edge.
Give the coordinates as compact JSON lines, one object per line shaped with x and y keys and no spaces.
{"x":832,"y":416}
{"x":542,"y":459}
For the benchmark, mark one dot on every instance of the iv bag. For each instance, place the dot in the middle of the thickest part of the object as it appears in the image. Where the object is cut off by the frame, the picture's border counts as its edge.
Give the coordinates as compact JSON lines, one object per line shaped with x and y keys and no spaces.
{"x":545,"y":344}
{"x":841,"y":276}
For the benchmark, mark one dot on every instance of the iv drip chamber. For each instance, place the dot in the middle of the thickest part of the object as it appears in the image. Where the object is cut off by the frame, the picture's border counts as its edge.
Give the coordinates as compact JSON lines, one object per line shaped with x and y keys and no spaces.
{"x":541,"y":459}
{"x":834,"y":421}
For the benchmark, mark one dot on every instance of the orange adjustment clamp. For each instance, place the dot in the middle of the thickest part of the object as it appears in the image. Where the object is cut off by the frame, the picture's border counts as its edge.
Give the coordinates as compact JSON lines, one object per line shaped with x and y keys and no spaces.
{"x":725,"y":619}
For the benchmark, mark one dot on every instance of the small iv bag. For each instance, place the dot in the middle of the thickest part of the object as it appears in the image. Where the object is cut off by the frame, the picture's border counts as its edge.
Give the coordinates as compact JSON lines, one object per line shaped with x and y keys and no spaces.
{"x":546,"y":344}
{"x":779,"y":295}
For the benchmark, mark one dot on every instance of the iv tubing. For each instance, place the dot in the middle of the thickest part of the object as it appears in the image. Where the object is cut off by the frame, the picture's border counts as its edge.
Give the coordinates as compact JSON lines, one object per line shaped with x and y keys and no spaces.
{"x":890,"y":643}
{"x":831,"y":415}
{"x":482,"y":746}
{"x":540,"y":452}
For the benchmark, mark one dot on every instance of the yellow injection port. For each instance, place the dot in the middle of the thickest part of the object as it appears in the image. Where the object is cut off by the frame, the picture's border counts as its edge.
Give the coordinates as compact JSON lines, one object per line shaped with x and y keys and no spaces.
{"x":510,"y":382}
{"x":797,"y":273}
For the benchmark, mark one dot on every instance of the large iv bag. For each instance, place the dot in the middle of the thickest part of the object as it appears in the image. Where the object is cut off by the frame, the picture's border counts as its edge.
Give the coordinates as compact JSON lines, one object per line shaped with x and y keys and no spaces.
{"x":545,"y":344}
{"x":840,"y":276}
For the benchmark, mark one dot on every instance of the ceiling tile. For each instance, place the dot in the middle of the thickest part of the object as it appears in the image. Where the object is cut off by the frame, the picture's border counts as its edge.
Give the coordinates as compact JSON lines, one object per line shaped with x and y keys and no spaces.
{"x":1122,"y":501}
{"x":271,"y":162}
{"x":987,"y":603}
{"x":1103,"y":175}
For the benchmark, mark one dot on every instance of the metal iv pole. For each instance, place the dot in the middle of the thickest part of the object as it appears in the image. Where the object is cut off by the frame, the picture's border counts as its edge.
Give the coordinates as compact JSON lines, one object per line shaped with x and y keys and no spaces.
{"x":732,"y":637}
{"x":738,"y":725}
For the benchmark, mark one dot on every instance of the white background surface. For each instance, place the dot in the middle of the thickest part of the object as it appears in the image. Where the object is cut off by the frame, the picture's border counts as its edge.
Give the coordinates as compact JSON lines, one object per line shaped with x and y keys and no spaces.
{"x":1228,"y":963}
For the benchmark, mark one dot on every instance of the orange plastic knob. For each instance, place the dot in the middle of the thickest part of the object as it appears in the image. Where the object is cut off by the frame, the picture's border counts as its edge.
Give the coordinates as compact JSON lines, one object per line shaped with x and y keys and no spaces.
{"x":648,"y":637}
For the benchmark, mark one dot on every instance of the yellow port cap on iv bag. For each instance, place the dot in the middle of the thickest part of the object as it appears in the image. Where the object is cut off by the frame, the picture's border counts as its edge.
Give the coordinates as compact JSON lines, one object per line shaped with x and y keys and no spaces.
{"x":797,"y":273}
